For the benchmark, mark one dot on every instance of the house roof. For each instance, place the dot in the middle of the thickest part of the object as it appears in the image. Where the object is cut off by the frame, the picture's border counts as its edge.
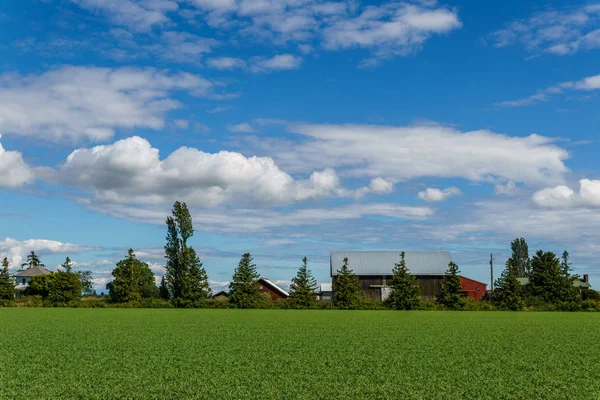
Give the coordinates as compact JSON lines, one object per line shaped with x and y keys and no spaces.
{"x":326,"y":287}
{"x":576,"y":283}
{"x":274,"y":287}
{"x":221,"y":293}
{"x":383,"y":262}
{"x":33,"y":271}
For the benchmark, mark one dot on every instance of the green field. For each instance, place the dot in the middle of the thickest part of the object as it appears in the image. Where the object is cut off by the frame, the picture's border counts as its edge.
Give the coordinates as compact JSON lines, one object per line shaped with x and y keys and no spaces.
{"x":286,"y":354}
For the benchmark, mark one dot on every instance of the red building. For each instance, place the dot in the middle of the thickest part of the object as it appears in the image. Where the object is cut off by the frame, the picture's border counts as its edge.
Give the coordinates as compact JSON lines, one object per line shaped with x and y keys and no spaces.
{"x":472,"y":288}
{"x":276,"y":293}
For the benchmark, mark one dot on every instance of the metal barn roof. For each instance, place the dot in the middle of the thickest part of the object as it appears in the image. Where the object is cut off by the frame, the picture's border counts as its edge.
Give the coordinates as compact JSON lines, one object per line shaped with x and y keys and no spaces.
{"x":382,"y":262}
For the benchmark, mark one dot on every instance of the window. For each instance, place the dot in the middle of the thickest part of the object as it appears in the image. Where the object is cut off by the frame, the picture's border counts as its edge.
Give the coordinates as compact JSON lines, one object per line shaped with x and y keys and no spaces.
{"x":24,"y":281}
{"x":261,"y":287}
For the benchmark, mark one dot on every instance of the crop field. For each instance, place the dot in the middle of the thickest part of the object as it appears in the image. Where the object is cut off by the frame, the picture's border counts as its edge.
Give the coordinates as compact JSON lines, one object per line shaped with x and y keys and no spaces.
{"x":284,"y":354}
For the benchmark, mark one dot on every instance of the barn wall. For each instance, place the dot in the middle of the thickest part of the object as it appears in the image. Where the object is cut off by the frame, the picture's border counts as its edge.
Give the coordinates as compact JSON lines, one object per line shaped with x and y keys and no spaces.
{"x":430,"y":286}
{"x":473,"y":289}
{"x":274,"y":295}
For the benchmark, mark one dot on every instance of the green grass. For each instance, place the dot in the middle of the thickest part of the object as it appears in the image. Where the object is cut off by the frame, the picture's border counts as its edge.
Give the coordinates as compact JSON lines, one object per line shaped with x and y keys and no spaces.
{"x":286,"y":354}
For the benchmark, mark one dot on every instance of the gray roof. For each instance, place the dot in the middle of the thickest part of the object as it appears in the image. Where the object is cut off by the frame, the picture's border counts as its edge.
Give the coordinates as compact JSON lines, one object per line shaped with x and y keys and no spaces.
{"x":325,"y":287}
{"x":33,"y":271}
{"x":382,"y":262}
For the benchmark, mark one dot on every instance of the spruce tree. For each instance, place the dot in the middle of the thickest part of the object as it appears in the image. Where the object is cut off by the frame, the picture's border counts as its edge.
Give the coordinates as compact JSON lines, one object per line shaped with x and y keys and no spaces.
{"x":346,"y":288}
{"x":7,"y":283}
{"x":451,"y":293}
{"x":244,"y":292}
{"x":32,"y":261}
{"x":303,"y":288}
{"x":186,"y":278}
{"x":406,"y":291}
{"x":508,"y":292}
{"x":163,"y":289}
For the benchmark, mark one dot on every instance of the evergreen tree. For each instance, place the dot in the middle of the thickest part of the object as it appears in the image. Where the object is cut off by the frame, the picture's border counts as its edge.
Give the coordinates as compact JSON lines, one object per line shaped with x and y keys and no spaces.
{"x":303,"y":287}
{"x":346,"y":288}
{"x":32,"y":261}
{"x":508,"y":291}
{"x":186,"y":278}
{"x":163,"y":290}
{"x":520,"y":261}
{"x":244,"y":292}
{"x":406,"y":291}
{"x":67,"y":265}
{"x":131,"y":276}
{"x":551,"y":281}
{"x":7,"y":283}
{"x":451,"y":293}
{"x":87,"y":285}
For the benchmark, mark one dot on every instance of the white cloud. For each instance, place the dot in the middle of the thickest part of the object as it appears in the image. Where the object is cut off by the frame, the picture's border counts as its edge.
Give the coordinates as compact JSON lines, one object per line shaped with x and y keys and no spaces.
{"x":244,"y":127}
{"x":587,"y":84}
{"x":434,"y":195}
{"x":378,"y":186}
{"x":403,"y":153}
{"x":16,"y":251}
{"x":130,"y":171}
{"x":182,"y":123}
{"x":89,"y":102}
{"x":139,"y":15}
{"x":509,"y":188}
{"x":391,"y":29}
{"x":555,"y":31}
{"x":226,"y":63}
{"x":14,"y":172}
{"x":564,"y":197}
{"x":279,"y":62}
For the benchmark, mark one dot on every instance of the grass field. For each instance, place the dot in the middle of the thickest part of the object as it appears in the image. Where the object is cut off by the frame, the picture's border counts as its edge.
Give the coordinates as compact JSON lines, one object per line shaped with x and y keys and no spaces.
{"x":285,"y":354}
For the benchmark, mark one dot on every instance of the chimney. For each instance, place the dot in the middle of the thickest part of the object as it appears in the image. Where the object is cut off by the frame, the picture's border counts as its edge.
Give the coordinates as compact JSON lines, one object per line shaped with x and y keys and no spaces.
{"x":586,"y":278}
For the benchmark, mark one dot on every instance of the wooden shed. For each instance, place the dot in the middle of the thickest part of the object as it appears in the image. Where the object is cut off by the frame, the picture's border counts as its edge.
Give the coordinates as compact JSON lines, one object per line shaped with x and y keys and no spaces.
{"x":276,"y":293}
{"x":473,"y":288}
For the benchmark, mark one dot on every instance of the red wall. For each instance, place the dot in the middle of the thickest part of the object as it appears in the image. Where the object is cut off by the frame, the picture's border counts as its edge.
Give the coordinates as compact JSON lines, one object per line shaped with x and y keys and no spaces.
{"x":473,"y":288}
{"x":275,"y":296}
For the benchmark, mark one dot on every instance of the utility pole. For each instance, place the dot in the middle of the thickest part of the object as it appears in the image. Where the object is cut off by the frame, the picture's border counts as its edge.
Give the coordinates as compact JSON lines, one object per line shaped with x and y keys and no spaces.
{"x":491,"y":276}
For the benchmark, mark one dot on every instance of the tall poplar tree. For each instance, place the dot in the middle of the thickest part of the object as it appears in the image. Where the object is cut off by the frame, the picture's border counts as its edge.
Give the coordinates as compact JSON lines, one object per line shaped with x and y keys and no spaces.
{"x":7,"y":283}
{"x":303,"y":287}
{"x":186,"y":278}
{"x":346,"y":288}
{"x":451,"y":294}
{"x":519,"y":260}
{"x":406,"y":291}
{"x":244,"y":292}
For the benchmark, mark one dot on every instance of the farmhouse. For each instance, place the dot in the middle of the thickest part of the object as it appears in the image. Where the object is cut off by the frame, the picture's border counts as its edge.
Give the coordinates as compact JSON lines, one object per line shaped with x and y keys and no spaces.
{"x":325,"y":292}
{"x":374,"y":270}
{"x":580,"y":283}
{"x":24,"y":277}
{"x":276,"y":293}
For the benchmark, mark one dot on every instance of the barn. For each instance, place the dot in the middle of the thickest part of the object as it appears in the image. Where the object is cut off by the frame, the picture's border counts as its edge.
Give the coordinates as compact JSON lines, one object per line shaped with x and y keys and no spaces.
{"x":275,"y":292}
{"x":374,"y":270}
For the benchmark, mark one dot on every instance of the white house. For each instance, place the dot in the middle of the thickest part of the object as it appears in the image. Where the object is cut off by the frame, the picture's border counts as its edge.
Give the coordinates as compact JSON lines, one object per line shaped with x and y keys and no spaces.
{"x":25,"y":276}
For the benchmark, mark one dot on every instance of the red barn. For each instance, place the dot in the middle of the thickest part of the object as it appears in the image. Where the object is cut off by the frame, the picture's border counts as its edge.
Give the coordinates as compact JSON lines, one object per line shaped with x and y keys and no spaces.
{"x":472,"y":288}
{"x":276,"y":293}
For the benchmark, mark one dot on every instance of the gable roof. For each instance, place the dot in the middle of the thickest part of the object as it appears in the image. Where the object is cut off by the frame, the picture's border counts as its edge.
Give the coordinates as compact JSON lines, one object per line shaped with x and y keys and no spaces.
{"x":33,"y":271}
{"x":274,"y":287}
{"x":383,"y":262}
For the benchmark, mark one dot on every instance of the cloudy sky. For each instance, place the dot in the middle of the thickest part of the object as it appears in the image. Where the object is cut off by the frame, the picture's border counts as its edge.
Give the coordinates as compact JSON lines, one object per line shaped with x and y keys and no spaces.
{"x":296,"y":127}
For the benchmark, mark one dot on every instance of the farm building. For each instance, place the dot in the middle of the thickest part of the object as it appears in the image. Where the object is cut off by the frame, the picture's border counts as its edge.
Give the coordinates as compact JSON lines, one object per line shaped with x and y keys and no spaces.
{"x":276,"y":293}
{"x":374,"y":270}
{"x":325,"y":292}
{"x":23,"y":277}
{"x":581,"y":283}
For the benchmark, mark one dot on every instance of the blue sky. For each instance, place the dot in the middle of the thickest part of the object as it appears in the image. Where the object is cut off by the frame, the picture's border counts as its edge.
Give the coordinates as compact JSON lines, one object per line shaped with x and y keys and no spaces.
{"x":296,"y":127}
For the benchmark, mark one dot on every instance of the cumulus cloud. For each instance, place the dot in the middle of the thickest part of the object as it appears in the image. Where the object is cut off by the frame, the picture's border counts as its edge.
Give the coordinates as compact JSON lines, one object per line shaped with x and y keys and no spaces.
{"x":509,"y":188}
{"x":434,"y":195}
{"x":130,"y":171}
{"x":377,"y":186}
{"x":90,"y":102}
{"x":555,"y":31}
{"x":16,"y":251}
{"x":14,"y":172}
{"x":564,"y":197}
{"x":404,"y":153}
{"x":587,"y":84}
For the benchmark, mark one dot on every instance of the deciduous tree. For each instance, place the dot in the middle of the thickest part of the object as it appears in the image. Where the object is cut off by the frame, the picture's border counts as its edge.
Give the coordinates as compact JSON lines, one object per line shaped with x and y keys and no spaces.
{"x":346,"y":288}
{"x":131,"y":276}
{"x":520,"y":261}
{"x":451,"y":293}
{"x":186,"y":278}
{"x":406,"y":291}
{"x":303,"y":288}
{"x":244,"y":292}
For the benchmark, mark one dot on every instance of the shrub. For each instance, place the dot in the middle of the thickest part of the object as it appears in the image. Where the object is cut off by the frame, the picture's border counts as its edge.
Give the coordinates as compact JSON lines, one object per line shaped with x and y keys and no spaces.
{"x":589,"y":294}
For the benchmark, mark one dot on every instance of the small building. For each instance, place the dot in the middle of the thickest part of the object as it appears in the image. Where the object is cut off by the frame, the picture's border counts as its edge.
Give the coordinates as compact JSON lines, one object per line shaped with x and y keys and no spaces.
{"x":580,"y":283}
{"x":472,"y":288}
{"x":374,"y":270}
{"x":325,"y":292}
{"x":220,"y":295}
{"x":276,"y":293}
{"x":24,"y":277}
